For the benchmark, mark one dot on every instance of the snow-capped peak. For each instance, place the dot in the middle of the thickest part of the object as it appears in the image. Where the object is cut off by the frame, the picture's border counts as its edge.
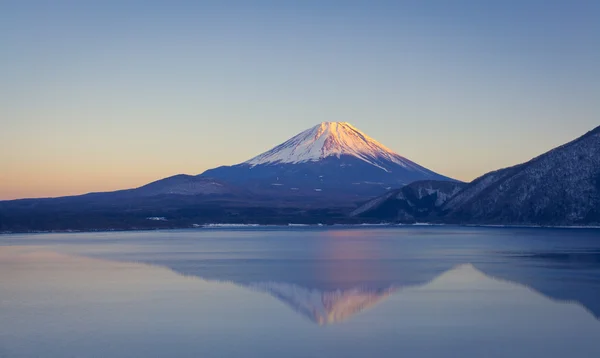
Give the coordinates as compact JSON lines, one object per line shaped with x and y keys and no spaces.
{"x":329,"y":139}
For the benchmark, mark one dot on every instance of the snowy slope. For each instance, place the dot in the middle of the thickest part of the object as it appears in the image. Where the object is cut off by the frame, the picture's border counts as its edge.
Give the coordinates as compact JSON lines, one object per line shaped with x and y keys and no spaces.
{"x":329,"y":159}
{"x":332,"y":139}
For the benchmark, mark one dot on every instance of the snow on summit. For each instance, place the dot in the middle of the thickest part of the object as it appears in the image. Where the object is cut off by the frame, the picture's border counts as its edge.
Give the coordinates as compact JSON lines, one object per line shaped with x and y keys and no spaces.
{"x":332,"y":159}
{"x":329,"y":139}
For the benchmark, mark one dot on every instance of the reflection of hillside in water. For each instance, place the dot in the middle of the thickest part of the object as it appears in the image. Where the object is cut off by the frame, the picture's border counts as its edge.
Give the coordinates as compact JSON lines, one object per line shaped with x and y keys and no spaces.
{"x":564,"y":276}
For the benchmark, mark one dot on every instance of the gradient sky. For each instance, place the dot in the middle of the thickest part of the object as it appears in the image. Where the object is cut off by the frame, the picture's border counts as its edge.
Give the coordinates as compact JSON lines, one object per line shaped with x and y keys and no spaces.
{"x":103,"y":95}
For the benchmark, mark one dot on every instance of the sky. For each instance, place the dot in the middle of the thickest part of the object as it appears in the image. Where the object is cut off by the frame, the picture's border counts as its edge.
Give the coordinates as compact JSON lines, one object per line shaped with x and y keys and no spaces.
{"x":105,"y":95}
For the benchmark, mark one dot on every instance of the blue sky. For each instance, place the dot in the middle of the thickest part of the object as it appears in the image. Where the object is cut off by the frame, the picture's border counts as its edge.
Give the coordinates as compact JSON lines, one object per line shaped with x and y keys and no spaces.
{"x":112,"y":94}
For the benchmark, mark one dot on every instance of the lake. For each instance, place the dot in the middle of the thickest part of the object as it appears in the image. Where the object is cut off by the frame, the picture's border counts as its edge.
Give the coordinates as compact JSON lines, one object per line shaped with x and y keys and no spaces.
{"x":408,"y":291}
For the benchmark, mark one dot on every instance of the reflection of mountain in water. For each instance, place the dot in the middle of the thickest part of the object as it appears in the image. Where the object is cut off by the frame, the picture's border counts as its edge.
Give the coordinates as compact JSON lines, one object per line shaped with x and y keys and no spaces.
{"x":334,"y":290}
{"x":328,"y":297}
{"x":328,"y":307}
{"x":324,"y":307}
{"x":331,"y":305}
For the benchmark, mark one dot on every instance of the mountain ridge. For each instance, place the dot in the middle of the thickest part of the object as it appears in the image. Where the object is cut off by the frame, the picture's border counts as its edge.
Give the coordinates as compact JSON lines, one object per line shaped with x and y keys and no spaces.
{"x":556,"y":188}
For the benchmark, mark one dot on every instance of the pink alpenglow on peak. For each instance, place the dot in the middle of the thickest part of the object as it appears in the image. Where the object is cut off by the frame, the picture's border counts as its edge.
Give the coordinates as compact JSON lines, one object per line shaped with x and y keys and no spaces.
{"x":329,"y":139}
{"x":330,"y":161}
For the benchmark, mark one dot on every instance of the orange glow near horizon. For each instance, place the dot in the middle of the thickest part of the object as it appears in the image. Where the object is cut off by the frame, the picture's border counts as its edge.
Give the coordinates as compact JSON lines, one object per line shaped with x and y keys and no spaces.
{"x":461,"y":90}
{"x":40,"y":183}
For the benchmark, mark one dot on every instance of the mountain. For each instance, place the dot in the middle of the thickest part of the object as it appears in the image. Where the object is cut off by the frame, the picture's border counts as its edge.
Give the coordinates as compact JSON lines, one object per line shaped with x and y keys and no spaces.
{"x":414,"y":202}
{"x":560,"y":187}
{"x":320,"y":175}
{"x":329,"y":160}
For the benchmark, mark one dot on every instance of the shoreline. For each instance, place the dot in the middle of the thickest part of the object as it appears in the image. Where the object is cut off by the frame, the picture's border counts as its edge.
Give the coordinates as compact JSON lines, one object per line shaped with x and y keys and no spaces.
{"x":293,"y":226}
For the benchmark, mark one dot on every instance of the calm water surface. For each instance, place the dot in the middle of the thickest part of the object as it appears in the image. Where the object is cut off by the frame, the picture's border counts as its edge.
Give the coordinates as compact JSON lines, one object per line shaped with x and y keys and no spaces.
{"x":302,"y":292}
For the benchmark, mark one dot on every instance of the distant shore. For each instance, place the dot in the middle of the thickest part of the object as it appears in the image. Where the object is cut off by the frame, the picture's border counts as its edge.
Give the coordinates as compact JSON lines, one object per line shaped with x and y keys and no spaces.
{"x":217,"y":226}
